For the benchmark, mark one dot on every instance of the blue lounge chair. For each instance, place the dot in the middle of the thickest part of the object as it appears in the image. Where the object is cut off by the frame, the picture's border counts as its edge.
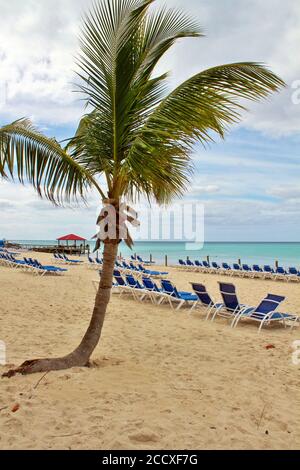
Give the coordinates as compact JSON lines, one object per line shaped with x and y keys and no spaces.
{"x":281,"y":274}
{"x":31,"y":266}
{"x":144,"y":262}
{"x":61,"y":258}
{"x":126,"y":266}
{"x":257,"y":271}
{"x":198,"y":265}
{"x":121,"y":268}
{"x":92,"y":263}
{"x":226,"y":269}
{"x":247,"y":270}
{"x":130,"y":268}
{"x":265,"y":313}
{"x":33,"y":263}
{"x":204,"y":299}
{"x":50,"y":269}
{"x":158,"y":296}
{"x":231,"y":306}
{"x":215,"y":266}
{"x":141,"y":270}
{"x":124,"y":270}
{"x":38,"y":268}
{"x":237,"y":269}
{"x":268,"y":272}
{"x":182,"y":264}
{"x":190,"y":265}
{"x":181,"y":298}
{"x":120,"y":285}
{"x":268,"y":269}
{"x":71,"y":261}
{"x":133,"y":267}
{"x":139,"y":291}
{"x":46,"y":269}
{"x":293,"y":274}
{"x":206,"y":266}
{"x":98,"y":261}
{"x":158,"y":274}
{"x":11,"y":261}
{"x":4,"y":260}
{"x":13,"y":253}
{"x":53,"y":268}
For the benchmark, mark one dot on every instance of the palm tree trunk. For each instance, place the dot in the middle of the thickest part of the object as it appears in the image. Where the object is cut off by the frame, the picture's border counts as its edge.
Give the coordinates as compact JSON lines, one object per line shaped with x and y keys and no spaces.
{"x":81,"y":355}
{"x":93,"y":333}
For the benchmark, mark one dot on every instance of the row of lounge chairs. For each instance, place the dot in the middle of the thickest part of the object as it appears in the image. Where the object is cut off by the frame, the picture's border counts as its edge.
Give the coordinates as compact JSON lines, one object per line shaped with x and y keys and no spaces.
{"x":129,"y":268}
{"x":244,"y":270}
{"x":94,"y":262}
{"x":147,"y":288}
{"x":5,"y":251}
{"x":30,"y":265}
{"x":230,"y":307}
{"x":138,"y":259}
{"x":139,"y":270}
{"x":264,"y":314}
{"x":62,"y":258}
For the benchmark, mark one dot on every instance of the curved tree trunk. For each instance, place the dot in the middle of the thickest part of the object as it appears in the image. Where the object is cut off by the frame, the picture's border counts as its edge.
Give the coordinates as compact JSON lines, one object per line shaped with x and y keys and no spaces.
{"x":81,"y":355}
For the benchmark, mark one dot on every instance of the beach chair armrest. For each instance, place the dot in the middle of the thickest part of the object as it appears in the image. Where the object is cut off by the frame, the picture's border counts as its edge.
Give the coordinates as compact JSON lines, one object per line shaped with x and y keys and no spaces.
{"x":246,"y":311}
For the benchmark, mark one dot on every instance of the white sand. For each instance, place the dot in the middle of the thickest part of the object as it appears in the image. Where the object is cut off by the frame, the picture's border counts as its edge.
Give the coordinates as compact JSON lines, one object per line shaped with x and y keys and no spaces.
{"x":161,"y":380}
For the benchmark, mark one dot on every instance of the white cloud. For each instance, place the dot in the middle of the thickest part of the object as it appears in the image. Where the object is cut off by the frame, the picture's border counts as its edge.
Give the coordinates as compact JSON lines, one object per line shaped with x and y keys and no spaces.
{"x":38,"y":41}
{"x":6,"y":205}
{"x":37,"y":44}
{"x":289,"y":192}
{"x":25,"y":216}
{"x":205,"y":189}
{"x":253,"y":30}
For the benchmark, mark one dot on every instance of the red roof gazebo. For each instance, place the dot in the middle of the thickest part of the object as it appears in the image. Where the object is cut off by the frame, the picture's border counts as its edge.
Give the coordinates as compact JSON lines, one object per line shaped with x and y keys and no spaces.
{"x":72,"y":238}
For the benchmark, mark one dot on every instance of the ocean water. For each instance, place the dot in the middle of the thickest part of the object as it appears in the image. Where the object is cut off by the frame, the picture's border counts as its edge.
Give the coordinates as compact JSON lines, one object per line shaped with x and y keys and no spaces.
{"x":287,"y":254}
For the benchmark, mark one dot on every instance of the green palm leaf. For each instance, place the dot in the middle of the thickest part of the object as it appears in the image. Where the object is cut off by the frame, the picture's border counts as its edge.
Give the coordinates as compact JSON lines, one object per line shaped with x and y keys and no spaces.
{"x":41,"y":161}
{"x":209,"y":101}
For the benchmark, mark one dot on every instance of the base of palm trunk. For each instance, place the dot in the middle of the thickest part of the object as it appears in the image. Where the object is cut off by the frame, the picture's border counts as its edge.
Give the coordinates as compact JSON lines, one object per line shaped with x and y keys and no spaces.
{"x":46,"y":365}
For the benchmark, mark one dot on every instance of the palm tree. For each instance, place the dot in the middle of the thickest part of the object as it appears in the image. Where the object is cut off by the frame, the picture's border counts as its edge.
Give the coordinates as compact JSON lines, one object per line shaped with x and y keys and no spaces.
{"x":135,"y":135}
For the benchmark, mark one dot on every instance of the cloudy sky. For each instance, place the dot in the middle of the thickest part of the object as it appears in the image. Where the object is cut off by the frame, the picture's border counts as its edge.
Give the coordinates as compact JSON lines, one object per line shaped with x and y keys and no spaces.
{"x":249,"y":184}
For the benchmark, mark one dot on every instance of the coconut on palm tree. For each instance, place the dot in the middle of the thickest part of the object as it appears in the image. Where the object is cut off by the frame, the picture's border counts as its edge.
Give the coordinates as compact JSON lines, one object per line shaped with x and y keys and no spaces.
{"x":135,"y":135}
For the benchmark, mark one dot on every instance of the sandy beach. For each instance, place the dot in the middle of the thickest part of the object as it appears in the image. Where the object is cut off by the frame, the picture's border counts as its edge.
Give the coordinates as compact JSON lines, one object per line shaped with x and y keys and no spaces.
{"x":160,"y":379}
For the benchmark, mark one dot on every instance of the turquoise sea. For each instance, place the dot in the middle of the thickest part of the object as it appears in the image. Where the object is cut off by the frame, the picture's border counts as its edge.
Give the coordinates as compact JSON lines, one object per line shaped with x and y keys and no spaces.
{"x":287,"y":254}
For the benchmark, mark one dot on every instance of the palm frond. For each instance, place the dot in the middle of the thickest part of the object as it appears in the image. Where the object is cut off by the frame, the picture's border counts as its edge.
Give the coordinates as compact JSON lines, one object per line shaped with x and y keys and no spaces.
{"x":33,"y":157}
{"x":211,"y":101}
{"x":158,"y":161}
{"x":160,"y":31}
{"x":121,"y":44}
{"x":156,"y":168}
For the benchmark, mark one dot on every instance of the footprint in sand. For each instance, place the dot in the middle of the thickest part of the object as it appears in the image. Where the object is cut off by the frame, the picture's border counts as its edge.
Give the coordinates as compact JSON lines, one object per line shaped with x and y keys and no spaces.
{"x":96,"y":419}
{"x":145,"y":436}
